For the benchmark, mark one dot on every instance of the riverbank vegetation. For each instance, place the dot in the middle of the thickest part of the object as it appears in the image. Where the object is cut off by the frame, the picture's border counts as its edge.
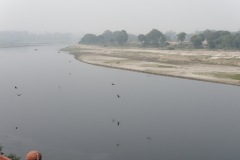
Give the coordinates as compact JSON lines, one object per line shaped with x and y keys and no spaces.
{"x":208,"y":39}
{"x":208,"y":55}
{"x":10,"y":155}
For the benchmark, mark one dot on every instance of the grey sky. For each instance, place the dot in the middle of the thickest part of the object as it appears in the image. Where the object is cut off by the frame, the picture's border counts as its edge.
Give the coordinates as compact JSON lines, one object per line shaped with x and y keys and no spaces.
{"x":135,"y":16}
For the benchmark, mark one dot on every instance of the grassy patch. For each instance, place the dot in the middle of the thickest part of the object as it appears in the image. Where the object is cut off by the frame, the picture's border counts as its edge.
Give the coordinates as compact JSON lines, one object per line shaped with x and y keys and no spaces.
{"x":235,"y":76}
{"x":226,"y":75}
{"x":157,"y":65}
{"x":222,"y":75}
{"x":162,"y":66}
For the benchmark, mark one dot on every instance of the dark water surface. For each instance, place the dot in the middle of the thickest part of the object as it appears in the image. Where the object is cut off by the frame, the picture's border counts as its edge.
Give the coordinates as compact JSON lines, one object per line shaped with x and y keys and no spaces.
{"x":66,"y":111}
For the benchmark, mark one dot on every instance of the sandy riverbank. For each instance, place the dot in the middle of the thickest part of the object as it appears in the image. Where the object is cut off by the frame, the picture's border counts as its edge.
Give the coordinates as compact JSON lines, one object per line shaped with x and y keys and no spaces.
{"x":212,"y":66}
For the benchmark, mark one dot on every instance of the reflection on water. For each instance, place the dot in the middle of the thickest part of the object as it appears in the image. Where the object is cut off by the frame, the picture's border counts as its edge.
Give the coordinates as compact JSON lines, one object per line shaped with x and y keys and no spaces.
{"x":79,"y":115}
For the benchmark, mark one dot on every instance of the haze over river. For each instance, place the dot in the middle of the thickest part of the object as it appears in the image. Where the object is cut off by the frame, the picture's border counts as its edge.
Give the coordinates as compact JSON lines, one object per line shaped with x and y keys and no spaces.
{"x":70,"y":110}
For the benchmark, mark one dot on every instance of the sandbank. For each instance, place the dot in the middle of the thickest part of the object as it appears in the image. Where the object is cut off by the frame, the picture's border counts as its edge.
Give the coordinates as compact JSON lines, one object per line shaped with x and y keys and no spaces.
{"x":205,"y":65}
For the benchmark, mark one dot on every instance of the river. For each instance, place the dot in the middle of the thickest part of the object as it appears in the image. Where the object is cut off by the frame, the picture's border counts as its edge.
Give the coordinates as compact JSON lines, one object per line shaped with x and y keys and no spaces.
{"x":70,"y":110}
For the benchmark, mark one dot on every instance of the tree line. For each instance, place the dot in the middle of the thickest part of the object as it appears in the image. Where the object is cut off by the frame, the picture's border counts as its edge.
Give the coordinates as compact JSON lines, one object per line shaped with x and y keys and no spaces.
{"x":108,"y":37}
{"x":208,"y":39}
{"x":217,"y":39}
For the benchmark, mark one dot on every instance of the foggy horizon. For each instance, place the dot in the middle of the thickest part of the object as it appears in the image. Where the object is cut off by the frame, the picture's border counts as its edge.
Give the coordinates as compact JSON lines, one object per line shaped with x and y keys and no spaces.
{"x":135,"y":17}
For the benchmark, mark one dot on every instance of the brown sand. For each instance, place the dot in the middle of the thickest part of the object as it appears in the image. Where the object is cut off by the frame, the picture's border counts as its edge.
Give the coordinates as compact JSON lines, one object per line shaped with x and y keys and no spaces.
{"x":212,"y":66}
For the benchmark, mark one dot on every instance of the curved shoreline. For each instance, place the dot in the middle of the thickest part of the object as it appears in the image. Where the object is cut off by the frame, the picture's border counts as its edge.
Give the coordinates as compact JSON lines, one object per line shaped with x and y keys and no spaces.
{"x":157,"y":74}
{"x":108,"y":57}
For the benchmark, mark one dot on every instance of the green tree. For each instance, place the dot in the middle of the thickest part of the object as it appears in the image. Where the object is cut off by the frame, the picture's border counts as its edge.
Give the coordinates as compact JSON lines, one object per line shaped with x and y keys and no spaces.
{"x":153,"y":37}
{"x":201,"y":36}
{"x":181,"y":36}
{"x":108,"y":36}
{"x":121,"y":37}
{"x":197,"y":40}
{"x":141,"y":38}
{"x":208,"y":33}
{"x":89,"y":39}
{"x":236,"y":41}
{"x":228,"y":42}
{"x":163,"y":39}
{"x":214,"y":38}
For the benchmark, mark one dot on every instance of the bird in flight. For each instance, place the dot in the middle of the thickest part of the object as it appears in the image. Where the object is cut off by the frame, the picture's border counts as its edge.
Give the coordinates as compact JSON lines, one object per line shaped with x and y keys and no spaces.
{"x":36,"y":49}
{"x":113,"y":84}
{"x":118,"y":123}
{"x":19,"y":94}
{"x":16,"y":128}
{"x":15,"y":87}
{"x":149,"y":138}
{"x":118,"y":95}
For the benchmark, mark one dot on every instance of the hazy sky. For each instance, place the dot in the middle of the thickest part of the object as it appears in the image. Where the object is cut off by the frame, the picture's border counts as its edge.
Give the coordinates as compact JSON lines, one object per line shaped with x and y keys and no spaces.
{"x":135,"y":16}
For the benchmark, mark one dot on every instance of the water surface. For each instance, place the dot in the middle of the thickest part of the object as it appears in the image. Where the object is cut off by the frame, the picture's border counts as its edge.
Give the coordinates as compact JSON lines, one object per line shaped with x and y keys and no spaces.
{"x":67,"y":108}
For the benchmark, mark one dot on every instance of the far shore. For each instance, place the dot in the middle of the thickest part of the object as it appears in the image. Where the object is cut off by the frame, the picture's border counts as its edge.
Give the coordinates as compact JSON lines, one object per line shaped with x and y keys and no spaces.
{"x":203,"y":65}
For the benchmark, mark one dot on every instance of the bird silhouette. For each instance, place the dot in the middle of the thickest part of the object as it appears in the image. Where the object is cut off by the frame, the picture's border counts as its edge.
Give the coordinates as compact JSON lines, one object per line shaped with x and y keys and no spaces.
{"x":117,"y":144}
{"x":19,"y":94}
{"x":15,"y":87}
{"x":113,"y":84}
{"x":149,"y":138}
{"x":118,"y":95}
{"x":16,"y":128}
{"x":118,"y":123}
{"x":36,"y":49}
